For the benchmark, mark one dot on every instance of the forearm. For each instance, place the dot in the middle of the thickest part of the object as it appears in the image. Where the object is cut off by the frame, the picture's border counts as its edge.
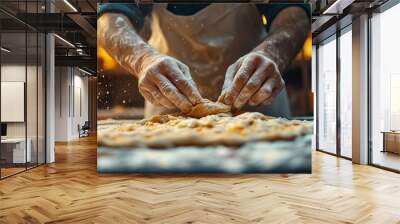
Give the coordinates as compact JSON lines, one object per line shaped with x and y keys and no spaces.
{"x":287,"y":34}
{"x":117,"y":35}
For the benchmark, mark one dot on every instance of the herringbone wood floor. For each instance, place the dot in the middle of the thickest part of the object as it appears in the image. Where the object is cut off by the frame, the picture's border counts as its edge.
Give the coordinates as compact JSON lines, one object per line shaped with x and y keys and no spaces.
{"x":71,"y":191}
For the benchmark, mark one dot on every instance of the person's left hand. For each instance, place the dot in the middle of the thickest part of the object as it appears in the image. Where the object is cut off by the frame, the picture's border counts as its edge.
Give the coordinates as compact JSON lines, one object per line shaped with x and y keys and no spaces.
{"x":254,"y":79}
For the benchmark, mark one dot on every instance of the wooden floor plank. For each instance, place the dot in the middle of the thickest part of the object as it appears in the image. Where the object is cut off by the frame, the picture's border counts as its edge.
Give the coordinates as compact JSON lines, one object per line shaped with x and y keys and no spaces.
{"x":71,"y":191}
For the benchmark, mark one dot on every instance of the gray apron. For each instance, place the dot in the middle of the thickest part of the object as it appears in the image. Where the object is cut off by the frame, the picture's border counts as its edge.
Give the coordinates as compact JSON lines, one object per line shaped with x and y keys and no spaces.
{"x":208,"y":42}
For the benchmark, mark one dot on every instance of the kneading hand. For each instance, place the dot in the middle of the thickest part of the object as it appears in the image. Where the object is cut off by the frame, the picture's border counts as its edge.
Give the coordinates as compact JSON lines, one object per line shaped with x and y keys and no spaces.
{"x":165,"y":81}
{"x":253,"y":79}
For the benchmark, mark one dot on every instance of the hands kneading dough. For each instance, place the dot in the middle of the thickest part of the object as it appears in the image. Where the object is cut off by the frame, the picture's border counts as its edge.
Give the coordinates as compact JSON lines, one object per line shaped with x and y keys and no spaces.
{"x":253,"y":79}
{"x":165,"y":81}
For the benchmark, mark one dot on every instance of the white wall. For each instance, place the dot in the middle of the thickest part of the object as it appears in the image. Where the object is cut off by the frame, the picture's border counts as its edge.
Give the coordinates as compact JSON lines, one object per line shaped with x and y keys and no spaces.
{"x":61,"y":103}
{"x":14,"y":73}
{"x":360,"y":89}
{"x":80,"y":100}
{"x":71,"y":93}
{"x":50,"y":94}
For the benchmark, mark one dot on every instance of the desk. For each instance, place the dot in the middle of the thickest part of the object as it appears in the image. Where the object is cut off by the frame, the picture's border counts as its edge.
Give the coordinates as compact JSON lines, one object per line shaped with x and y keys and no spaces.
{"x":391,"y":141}
{"x":16,"y":148}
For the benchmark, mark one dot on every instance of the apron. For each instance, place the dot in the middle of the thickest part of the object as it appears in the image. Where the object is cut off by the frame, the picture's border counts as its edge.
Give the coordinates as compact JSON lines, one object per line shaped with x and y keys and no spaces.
{"x":208,"y":42}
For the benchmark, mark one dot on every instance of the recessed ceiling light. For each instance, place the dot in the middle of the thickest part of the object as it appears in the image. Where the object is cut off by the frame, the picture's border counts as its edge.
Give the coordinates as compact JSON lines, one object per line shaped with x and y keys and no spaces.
{"x":84,"y":71}
{"x":337,"y":7}
{"x":5,"y":50}
{"x":70,"y":5}
{"x":65,"y":41}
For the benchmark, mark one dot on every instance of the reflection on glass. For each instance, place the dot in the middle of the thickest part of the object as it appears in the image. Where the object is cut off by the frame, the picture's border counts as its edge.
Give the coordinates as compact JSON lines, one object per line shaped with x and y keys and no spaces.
{"x":346,"y":94}
{"x":385,"y":94}
{"x":327,"y":96}
{"x":41,"y":99}
{"x":313,"y":88}
{"x":15,"y":150}
{"x":23,"y":87}
{"x":31,"y":99}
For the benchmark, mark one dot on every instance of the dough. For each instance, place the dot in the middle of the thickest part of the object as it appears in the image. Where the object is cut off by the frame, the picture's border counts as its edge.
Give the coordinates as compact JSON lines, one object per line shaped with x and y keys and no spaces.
{"x":164,"y":131}
{"x":207,"y":107}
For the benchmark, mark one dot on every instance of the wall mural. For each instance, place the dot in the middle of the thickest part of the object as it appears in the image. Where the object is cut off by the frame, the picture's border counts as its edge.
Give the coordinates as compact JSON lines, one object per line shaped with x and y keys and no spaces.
{"x":204,"y":88}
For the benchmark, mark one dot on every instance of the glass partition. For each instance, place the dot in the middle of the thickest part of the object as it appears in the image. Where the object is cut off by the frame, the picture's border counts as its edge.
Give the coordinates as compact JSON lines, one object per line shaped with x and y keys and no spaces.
{"x":41,"y":96}
{"x":31,"y":99}
{"x":22,"y":89}
{"x":327,"y":95}
{"x":15,"y":150}
{"x":346,"y":92}
{"x":385,"y":89}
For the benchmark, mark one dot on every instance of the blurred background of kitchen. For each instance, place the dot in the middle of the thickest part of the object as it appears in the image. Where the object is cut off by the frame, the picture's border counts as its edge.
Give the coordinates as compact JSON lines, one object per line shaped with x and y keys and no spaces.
{"x":119,"y":98}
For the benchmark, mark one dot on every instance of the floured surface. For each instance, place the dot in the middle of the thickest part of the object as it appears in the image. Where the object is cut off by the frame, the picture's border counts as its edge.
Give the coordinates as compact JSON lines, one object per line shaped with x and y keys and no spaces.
{"x":254,"y":157}
{"x":164,"y":131}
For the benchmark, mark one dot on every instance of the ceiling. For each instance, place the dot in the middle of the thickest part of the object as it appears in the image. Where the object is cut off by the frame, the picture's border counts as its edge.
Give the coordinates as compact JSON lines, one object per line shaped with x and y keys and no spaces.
{"x":72,"y":20}
{"x":75,"y":21}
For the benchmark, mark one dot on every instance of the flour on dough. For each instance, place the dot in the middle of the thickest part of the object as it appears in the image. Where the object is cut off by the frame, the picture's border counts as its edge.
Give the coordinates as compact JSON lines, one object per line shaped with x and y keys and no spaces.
{"x":164,"y":131}
{"x":207,"y":107}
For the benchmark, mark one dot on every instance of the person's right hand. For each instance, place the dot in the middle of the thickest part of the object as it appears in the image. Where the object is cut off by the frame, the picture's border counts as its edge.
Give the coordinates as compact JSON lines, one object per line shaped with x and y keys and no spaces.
{"x":165,"y":81}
